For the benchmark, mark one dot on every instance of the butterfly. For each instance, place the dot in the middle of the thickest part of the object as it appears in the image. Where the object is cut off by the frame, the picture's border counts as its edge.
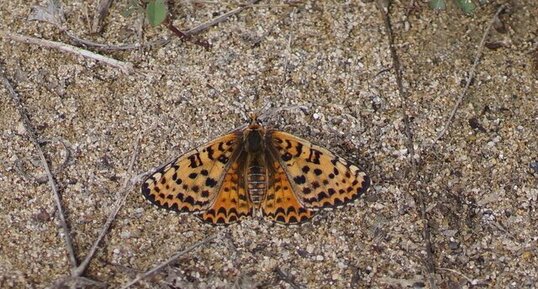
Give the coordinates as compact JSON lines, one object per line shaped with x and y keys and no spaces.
{"x":251,"y":170}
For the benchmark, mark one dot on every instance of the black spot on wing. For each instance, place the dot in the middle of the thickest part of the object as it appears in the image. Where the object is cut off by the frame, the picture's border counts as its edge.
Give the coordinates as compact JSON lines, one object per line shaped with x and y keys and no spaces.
{"x":210,"y":152}
{"x":299,"y":149}
{"x":299,"y":179}
{"x":286,"y":157}
{"x":210,"y":182}
{"x":223,"y":159}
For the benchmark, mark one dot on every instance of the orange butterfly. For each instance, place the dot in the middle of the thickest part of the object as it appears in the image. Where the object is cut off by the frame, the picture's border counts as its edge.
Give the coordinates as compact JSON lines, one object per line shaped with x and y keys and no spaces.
{"x":255,"y":169}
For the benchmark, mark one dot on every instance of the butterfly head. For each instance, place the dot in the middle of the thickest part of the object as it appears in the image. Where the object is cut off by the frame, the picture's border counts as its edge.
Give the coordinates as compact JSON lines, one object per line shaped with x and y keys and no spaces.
{"x":254,"y":121}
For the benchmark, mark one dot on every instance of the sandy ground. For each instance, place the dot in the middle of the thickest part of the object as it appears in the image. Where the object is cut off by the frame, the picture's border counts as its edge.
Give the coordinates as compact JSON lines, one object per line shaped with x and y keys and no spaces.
{"x":476,"y":189}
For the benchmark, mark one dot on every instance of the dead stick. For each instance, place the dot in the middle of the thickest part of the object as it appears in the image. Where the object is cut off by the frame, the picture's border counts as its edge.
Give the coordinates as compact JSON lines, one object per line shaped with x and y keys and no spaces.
{"x":218,"y":19}
{"x":470,"y":77}
{"x":169,"y":261}
{"x":459,"y":273}
{"x":124,"y":192}
{"x":125,"y":67}
{"x":102,"y":11}
{"x":107,"y":47}
{"x":56,"y":194}
{"x":429,"y":261}
{"x":161,"y":42}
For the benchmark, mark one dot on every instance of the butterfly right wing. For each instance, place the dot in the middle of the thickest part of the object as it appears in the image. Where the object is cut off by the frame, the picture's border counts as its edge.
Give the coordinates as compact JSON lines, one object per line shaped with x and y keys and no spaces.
{"x":192,"y":182}
{"x":280,"y":203}
{"x":319,"y":178}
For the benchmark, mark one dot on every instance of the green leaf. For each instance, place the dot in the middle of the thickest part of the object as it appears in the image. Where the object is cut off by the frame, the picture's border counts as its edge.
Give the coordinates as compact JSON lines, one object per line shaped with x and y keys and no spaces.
{"x":156,"y":12}
{"x":437,"y":4}
{"x":467,"y":6}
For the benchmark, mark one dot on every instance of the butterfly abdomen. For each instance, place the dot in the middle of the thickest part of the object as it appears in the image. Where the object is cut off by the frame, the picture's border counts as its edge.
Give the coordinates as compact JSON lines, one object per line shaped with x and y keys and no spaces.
{"x":256,"y":183}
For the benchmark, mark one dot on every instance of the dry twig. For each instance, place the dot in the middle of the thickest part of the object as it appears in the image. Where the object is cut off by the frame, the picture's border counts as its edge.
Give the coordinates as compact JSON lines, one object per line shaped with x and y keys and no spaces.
{"x":218,"y":19}
{"x":41,"y":179}
{"x":429,"y":261}
{"x":470,"y":75}
{"x":169,"y":261}
{"x":52,"y":182}
{"x":102,"y":10}
{"x":123,"y":193}
{"x":458,"y":273}
{"x":125,"y":67}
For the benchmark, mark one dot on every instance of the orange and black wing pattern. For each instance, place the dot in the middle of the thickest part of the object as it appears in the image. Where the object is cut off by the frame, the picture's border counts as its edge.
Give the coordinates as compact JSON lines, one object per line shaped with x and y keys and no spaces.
{"x":200,"y":182}
{"x":314,"y":177}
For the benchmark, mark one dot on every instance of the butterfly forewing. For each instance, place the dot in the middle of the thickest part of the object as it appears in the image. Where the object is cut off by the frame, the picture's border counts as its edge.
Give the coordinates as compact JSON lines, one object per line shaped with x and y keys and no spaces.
{"x":191,"y":182}
{"x":319,"y":178}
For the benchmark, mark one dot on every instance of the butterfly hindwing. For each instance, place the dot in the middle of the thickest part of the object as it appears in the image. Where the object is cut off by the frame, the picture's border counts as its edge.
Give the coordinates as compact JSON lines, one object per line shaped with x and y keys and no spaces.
{"x":231,"y":203}
{"x":280,"y":203}
{"x":319,"y":178}
{"x":191,"y":182}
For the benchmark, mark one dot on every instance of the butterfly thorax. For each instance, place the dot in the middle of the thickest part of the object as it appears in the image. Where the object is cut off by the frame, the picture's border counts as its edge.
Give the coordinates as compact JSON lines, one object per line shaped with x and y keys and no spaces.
{"x":256,"y":172}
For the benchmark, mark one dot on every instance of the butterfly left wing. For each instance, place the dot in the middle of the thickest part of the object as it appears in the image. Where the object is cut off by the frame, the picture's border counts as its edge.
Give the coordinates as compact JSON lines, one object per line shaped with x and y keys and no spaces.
{"x":319,"y":179}
{"x":231,"y":203}
{"x":191,"y":182}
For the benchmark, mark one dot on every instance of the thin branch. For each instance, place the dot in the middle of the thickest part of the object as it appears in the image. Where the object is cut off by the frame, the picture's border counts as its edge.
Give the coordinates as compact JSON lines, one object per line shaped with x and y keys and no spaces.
{"x":41,"y":179}
{"x":429,"y":260}
{"x":186,"y":35}
{"x":156,"y":43}
{"x":125,"y":67}
{"x":109,"y":47}
{"x":218,"y":19}
{"x":56,"y":194}
{"x":169,"y":261}
{"x":102,"y":11}
{"x":458,"y":273}
{"x":470,"y":75}
{"x":181,"y":35}
{"x":124,"y":192}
